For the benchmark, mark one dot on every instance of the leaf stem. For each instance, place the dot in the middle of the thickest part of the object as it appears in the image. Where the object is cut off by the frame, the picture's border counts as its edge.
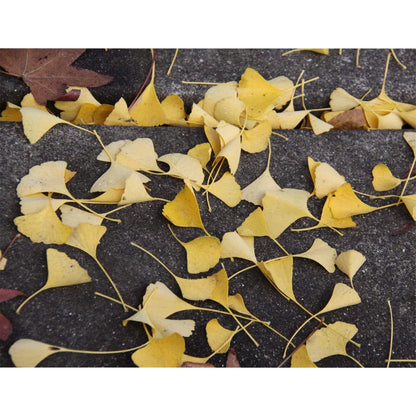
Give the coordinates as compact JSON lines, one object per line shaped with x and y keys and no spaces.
{"x":112,"y":282}
{"x":116,"y":301}
{"x":145,"y":81}
{"x":391,"y":334}
{"x":302,"y":343}
{"x":10,"y":245}
{"x":27,"y":299}
{"x":355,"y":360}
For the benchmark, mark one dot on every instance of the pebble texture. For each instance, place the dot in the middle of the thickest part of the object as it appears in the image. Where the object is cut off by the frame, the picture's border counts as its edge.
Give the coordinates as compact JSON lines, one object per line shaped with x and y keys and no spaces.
{"x":74,"y":317}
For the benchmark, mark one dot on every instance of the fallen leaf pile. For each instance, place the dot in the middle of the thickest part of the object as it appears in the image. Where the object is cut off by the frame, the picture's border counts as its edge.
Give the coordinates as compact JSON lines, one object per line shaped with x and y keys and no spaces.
{"x":236,"y":117}
{"x":254,"y":105}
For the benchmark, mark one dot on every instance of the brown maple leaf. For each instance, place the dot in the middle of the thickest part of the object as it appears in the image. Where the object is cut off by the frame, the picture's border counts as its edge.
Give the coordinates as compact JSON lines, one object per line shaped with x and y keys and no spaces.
{"x":350,"y":119}
{"x":48,"y":72}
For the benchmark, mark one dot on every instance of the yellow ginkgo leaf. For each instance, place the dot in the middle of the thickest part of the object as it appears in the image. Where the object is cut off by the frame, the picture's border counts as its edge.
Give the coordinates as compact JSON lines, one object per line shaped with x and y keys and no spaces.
{"x":345,"y":203}
{"x":37,"y":122}
{"x":218,"y":337}
{"x":236,"y":303}
{"x":256,"y":190}
{"x":231,"y":152}
{"x":254,"y":225}
{"x":3,"y":262}
{"x":71,"y":108}
{"x":102,"y":112}
{"x":256,"y":139}
{"x":330,"y":341}
{"x":111,"y":150}
{"x":214,"y":139}
{"x":383,"y":179}
{"x":161,"y":352}
{"x":229,"y":109}
{"x":120,"y":115}
{"x":349,"y":262}
{"x":256,"y":93}
{"x":409,"y":117}
{"x":410,"y":138}
{"x":286,"y":86}
{"x":44,"y":227}
{"x":322,"y":253}
{"x":183,"y":211}
{"x":217,"y":93}
{"x":29,"y":353}
{"x":235,"y":245}
{"x":46,"y":177}
{"x":197,"y":289}
{"x":85,"y":114}
{"x":37,"y":202}
{"x":202,"y":253}
{"x":340,"y":100}
{"x":159,"y":302}
{"x":410,"y":203}
{"x":284,"y":207}
{"x":62,"y":271}
{"x":134,"y":191}
{"x":111,"y":196}
{"x":29,"y":101}
{"x":201,"y":152}
{"x":319,"y":126}
{"x":290,"y":119}
{"x":220,"y":293}
{"x":390,"y":121}
{"x":328,"y":220}
{"x":184,"y":167}
{"x":73,"y":216}
{"x":200,"y":117}
{"x":301,"y":359}
{"x":147,"y":110}
{"x":138,"y":154}
{"x":115,"y":178}
{"x":86,"y":237}
{"x":326,"y":179}
{"x":279,"y":272}
{"x":174,"y":110}
{"x":226,"y":189}
{"x":11,"y":113}
{"x":341,"y":297}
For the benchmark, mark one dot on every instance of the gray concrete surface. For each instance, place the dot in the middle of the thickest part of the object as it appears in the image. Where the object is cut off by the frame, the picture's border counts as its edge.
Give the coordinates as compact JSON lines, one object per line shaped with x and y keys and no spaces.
{"x":73,"y":317}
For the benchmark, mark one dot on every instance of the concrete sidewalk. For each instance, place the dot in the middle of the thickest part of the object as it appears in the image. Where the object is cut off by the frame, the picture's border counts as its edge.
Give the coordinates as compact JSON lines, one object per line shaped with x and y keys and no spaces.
{"x":74,"y":317}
